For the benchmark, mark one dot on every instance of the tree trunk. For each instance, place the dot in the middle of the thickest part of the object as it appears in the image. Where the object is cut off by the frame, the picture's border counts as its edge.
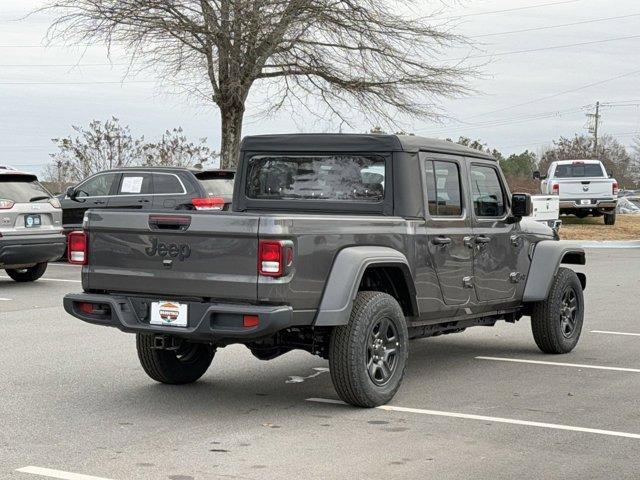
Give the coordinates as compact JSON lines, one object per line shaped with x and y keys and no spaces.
{"x":231,"y":117}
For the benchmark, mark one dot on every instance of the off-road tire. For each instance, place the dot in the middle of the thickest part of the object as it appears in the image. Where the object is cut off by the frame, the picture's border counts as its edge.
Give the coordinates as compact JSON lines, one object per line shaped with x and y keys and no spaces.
{"x":349,"y":351}
{"x":172,"y":366}
{"x":610,"y":218}
{"x":30,"y":274}
{"x":546,"y":319}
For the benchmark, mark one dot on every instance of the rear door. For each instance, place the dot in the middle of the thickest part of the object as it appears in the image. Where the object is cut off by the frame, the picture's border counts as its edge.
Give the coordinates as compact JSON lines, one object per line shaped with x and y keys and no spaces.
{"x":449,"y":228}
{"x":496,"y":243}
{"x":92,"y":193}
{"x":135,"y":191}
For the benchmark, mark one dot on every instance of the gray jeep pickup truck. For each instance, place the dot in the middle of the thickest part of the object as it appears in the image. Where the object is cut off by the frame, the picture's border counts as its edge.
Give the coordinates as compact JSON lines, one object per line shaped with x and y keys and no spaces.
{"x":346,"y":246}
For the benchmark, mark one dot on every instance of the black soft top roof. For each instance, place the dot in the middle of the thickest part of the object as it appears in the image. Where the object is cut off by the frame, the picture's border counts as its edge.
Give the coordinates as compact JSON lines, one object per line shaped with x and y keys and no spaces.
{"x":349,"y":142}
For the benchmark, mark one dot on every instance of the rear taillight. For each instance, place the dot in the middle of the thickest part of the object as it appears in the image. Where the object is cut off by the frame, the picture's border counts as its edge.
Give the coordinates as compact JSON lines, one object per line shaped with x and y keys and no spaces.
{"x":614,"y":188}
{"x":55,"y":203}
{"x":77,"y":248}
{"x":209,"y":203}
{"x":555,"y":189}
{"x":274,"y":257}
{"x":6,"y":204}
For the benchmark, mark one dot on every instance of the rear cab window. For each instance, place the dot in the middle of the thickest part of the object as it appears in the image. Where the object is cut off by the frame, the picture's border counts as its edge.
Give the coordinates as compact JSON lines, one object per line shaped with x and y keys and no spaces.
{"x":579,"y":170}
{"x":348,"y":178}
{"x":22,"y":189}
{"x":444,"y":193}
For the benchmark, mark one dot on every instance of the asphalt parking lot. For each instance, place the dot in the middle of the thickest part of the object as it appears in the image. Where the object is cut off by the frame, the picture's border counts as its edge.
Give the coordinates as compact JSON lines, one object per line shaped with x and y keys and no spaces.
{"x":73,"y":398}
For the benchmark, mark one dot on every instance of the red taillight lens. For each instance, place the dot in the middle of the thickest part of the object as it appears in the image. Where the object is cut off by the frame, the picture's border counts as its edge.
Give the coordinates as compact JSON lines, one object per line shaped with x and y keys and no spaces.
{"x":6,"y":204}
{"x":250,"y":321}
{"x":77,"y":248}
{"x":614,"y":188}
{"x":555,"y":189}
{"x":270,"y":262}
{"x":210,"y":203}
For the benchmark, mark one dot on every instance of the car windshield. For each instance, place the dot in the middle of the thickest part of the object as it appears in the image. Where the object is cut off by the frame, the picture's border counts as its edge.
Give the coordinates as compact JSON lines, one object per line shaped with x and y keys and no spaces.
{"x":22,"y":189}
{"x":579,"y":170}
{"x":316,"y":177}
{"x":217,"y":183}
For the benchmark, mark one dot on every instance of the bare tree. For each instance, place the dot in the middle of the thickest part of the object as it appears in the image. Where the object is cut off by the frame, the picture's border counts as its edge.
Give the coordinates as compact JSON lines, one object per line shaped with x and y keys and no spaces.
{"x":105,"y":145}
{"x":367,"y":56}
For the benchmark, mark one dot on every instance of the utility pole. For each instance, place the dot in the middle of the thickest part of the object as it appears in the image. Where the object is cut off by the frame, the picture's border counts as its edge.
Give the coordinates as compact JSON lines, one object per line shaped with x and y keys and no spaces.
{"x":594,"y":120}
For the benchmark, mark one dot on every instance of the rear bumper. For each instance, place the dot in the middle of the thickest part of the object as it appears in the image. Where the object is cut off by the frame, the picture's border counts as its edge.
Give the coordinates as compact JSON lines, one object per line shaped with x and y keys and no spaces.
{"x":29,"y":250}
{"x":206,"y":321}
{"x":605,"y":204}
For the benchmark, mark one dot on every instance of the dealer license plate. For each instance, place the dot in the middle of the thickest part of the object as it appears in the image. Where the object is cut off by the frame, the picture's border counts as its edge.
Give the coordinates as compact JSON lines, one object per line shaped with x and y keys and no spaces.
{"x":169,"y":313}
{"x":32,"y":221}
{"x":585,"y":202}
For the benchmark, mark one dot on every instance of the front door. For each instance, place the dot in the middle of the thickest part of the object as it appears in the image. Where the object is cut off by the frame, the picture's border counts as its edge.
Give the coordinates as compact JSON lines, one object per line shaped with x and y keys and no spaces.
{"x":497,"y":245}
{"x":448,"y":229}
{"x":92,"y":193}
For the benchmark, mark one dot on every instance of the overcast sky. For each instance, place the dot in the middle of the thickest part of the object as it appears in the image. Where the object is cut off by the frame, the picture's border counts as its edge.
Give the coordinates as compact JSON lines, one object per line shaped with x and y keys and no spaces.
{"x":526,"y":99}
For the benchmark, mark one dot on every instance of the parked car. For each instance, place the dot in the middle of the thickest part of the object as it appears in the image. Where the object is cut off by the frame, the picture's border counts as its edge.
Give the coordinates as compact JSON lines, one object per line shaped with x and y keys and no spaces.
{"x":146,"y":189}
{"x":345,"y":246}
{"x":584,"y":186}
{"x":30,"y":226}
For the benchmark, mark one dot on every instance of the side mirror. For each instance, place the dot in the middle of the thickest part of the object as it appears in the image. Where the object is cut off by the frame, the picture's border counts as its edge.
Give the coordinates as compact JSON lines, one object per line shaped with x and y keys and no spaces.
{"x":521,"y":205}
{"x":536,"y":175}
{"x":610,"y":174}
{"x":72,"y":193}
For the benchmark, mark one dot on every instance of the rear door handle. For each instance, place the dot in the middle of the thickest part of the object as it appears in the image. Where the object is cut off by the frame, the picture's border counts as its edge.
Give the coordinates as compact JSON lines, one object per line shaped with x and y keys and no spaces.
{"x":144,"y":200}
{"x":441,"y":241}
{"x":481,"y":239}
{"x":99,"y":202}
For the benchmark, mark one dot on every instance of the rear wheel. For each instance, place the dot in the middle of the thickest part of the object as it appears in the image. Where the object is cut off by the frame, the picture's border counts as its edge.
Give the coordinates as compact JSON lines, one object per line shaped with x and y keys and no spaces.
{"x":610,"y":218}
{"x":185,"y":364}
{"x":368,"y":356}
{"x":30,"y":274}
{"x":557,"y":321}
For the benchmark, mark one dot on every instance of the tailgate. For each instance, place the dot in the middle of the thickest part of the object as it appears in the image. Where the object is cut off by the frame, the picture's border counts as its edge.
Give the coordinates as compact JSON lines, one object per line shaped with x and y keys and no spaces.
{"x":204,"y":254}
{"x":586,"y":188}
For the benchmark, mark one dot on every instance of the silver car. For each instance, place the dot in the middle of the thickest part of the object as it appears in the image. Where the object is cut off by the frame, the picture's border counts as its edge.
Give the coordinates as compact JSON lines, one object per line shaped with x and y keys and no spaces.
{"x":30,"y":226}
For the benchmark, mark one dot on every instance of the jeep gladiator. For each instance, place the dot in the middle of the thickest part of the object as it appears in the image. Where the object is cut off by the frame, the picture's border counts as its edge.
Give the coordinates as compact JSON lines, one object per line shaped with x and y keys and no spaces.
{"x":346,"y":246}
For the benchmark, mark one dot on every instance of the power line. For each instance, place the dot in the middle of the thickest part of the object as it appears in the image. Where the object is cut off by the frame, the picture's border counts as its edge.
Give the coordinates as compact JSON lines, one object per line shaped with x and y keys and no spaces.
{"x":553,"y":47}
{"x":555,"y":95}
{"x":529,"y":7}
{"x":562,"y":25}
{"x":78,"y":83}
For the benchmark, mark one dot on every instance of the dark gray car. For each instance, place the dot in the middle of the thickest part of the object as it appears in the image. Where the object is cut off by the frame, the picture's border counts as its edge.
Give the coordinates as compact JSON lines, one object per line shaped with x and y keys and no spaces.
{"x":30,"y":226}
{"x":345,"y":246}
{"x":148,"y":188}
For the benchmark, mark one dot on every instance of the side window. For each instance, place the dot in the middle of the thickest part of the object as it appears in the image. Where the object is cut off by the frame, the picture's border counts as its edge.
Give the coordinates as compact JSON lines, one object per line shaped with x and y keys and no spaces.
{"x":98,"y":186}
{"x":443,"y":188}
{"x":135,"y":183}
{"x":487,"y":191}
{"x":166,"y":183}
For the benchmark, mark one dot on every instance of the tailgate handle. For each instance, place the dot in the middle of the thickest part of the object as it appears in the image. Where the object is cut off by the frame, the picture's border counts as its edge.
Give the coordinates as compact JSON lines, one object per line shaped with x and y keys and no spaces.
{"x":169,"y":222}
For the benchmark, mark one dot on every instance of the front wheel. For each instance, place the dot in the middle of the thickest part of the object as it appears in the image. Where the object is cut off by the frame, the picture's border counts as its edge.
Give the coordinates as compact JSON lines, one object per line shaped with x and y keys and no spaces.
{"x":368,"y":356}
{"x":30,"y":274}
{"x":185,"y":364}
{"x":557,"y":321}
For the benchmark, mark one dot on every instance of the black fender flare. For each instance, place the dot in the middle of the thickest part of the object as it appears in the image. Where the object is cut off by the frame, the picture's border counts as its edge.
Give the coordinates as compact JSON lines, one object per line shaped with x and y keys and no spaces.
{"x":546,"y":259}
{"x":343,"y":281}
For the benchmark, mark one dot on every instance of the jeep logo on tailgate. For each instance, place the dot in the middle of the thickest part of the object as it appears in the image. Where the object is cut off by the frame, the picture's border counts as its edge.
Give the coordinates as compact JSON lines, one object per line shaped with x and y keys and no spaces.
{"x":174,"y":250}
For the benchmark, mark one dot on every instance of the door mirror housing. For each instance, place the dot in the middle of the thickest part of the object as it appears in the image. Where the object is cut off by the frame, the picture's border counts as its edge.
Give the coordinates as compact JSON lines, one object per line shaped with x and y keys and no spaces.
{"x":538,"y":176}
{"x":72,"y":193}
{"x":521,"y":205}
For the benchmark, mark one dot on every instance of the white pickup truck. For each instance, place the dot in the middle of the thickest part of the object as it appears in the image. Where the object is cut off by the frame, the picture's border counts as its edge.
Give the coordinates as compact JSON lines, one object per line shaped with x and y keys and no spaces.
{"x":584,"y":187}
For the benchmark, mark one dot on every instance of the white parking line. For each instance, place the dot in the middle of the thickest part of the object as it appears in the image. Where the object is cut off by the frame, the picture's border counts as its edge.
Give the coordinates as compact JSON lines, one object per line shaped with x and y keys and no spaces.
{"x":558,"y":364}
{"x":438,"y":413}
{"x":48,"y":279}
{"x":6,"y":299}
{"x":47,"y":472}
{"x":65,"y":265}
{"x":616,"y":333}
